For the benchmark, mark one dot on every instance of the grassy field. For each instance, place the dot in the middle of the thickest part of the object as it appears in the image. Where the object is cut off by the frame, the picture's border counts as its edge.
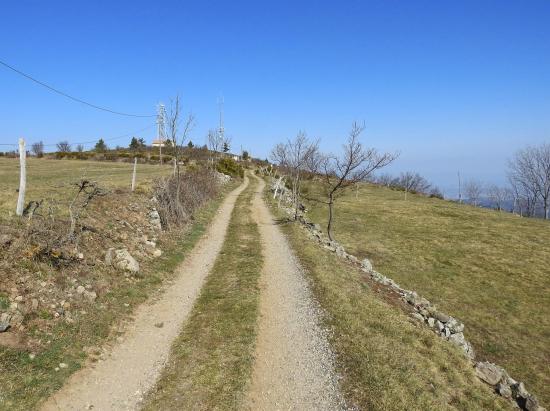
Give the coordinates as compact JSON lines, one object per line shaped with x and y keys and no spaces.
{"x":489,"y":269}
{"x":51,"y":179}
{"x":116,"y":220}
{"x":211,"y":361}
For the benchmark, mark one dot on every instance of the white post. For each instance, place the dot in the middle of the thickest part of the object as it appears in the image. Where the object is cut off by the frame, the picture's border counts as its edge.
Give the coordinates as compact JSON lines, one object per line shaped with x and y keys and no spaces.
{"x":280,"y":197}
{"x":22,"y":177}
{"x":277,"y":187}
{"x":134,"y":174}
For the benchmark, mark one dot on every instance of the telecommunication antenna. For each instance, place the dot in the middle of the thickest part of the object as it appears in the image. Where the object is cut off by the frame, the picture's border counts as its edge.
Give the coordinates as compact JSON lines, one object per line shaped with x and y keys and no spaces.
{"x":161,"y":129}
{"x":221,"y":130}
{"x":161,"y":121}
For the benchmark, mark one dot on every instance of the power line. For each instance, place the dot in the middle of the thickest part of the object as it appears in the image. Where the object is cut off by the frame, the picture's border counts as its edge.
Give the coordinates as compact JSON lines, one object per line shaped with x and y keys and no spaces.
{"x":69,"y":96}
{"x":95,"y":141}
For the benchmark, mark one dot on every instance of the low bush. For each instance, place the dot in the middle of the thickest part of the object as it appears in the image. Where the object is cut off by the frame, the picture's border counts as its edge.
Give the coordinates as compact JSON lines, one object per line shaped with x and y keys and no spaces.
{"x":230,"y":167}
{"x":175,"y":206}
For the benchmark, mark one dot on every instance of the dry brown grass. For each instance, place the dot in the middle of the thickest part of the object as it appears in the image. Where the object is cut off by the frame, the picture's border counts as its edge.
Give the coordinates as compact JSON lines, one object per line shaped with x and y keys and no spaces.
{"x":74,"y":331}
{"x":211,"y":361}
{"x":386,"y":360}
{"x":51,"y":179}
{"x":489,"y":269}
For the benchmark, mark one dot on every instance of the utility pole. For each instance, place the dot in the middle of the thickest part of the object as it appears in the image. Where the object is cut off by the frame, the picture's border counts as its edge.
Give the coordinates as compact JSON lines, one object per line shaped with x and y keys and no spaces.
{"x":459,"y":189}
{"x":22,"y":177}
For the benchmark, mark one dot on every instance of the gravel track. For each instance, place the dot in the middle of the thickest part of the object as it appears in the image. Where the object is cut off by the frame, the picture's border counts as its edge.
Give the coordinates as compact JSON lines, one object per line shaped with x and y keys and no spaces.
{"x":294,"y":364}
{"x":133,"y":366}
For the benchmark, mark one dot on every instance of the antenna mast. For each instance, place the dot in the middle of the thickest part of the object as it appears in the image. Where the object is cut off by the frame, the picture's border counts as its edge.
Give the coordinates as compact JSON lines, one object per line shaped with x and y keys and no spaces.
{"x":221,"y":129}
{"x":161,"y":129}
{"x":161,"y":120}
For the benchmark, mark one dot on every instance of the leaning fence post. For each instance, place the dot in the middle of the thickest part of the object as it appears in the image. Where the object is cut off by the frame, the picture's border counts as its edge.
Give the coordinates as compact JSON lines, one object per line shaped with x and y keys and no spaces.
{"x":22,"y":177}
{"x":277,"y":187}
{"x":134,"y":175}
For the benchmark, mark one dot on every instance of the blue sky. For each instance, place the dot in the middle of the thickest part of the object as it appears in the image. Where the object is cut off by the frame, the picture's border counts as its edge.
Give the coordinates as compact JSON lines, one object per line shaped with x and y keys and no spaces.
{"x":451,"y":85}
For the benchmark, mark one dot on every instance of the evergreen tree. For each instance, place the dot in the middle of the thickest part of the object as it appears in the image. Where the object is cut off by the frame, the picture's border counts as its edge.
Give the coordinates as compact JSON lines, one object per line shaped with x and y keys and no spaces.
{"x":225,"y":147}
{"x":134,"y":144}
{"x":100,"y":146}
{"x":190,"y":144}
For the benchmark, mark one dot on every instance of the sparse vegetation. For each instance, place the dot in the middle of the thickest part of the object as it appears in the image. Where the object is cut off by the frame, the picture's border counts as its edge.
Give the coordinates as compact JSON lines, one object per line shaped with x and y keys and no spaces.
{"x":211,"y":360}
{"x":486,"y":268}
{"x":63,"y":326}
{"x":230,"y":167}
{"x":386,"y":360}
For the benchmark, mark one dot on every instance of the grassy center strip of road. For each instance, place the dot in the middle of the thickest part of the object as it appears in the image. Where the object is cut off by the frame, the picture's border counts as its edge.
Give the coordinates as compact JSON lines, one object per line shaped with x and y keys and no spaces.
{"x":386,"y":360}
{"x":25,"y":381}
{"x":211,"y":361}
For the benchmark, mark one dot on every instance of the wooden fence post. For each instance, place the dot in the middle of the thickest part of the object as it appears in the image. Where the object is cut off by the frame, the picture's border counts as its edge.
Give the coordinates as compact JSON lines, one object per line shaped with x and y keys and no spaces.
{"x":277,"y":187}
{"x":22,"y":177}
{"x":134,"y":175}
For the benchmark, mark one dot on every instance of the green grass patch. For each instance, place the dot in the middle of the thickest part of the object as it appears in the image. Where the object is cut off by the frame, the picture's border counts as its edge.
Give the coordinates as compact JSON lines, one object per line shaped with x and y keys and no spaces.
{"x":386,"y":360}
{"x":52,"y":179}
{"x":25,"y":382}
{"x":211,"y":361}
{"x":489,"y":269}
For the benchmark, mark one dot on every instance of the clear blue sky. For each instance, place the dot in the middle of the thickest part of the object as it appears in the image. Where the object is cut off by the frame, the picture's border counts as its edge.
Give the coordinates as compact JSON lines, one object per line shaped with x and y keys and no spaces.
{"x":451,"y":85}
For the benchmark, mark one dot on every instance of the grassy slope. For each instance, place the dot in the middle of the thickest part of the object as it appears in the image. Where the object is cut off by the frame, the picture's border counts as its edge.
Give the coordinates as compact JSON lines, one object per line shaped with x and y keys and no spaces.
{"x":489,"y":269}
{"x":387,"y":361}
{"x":24,"y":382}
{"x":211,"y":360}
{"x":51,"y":178}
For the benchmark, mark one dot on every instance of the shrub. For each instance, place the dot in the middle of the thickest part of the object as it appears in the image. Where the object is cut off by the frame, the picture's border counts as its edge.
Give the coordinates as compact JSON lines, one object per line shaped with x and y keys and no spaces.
{"x":229,"y":166}
{"x":195,"y":188}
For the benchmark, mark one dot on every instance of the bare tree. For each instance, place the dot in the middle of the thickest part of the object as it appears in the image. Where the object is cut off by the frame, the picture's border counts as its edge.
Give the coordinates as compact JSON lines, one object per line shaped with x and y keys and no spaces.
{"x":79,"y":148}
{"x":63,"y":147}
{"x":355,"y":164}
{"x":473,"y":190}
{"x":38,"y":149}
{"x":498,"y":195}
{"x":86,"y":191}
{"x":413,"y":182}
{"x":215,"y":142}
{"x":524,"y":199}
{"x":529,"y":171}
{"x":295,"y":157}
{"x":384,"y":179}
{"x":176,"y":138}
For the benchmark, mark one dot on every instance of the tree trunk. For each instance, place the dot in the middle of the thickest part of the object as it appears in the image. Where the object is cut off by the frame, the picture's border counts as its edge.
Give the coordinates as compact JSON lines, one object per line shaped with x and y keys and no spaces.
{"x":295,"y":193}
{"x":329,"y":225}
{"x":22,"y":177}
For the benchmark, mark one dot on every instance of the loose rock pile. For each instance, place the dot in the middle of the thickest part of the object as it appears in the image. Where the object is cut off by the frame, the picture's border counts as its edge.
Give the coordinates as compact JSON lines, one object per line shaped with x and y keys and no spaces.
{"x":117,"y":237}
{"x":223,"y":178}
{"x":447,"y":327}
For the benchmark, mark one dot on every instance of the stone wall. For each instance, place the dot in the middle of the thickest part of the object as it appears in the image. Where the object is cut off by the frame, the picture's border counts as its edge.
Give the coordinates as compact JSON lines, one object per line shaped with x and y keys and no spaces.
{"x":447,"y":327}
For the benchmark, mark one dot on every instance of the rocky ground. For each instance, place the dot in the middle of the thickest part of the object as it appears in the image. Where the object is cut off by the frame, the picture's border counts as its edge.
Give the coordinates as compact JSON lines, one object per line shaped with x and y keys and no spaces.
{"x":44,"y":284}
{"x":132,"y":367}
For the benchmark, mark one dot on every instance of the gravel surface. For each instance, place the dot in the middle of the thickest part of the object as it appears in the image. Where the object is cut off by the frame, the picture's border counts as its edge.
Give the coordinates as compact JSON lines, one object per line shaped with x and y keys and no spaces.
{"x":294,"y":364}
{"x":133,"y":366}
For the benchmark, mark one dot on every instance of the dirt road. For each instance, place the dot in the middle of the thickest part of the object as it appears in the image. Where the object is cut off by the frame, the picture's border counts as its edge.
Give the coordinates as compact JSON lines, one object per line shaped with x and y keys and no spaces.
{"x":294,"y":364}
{"x":132,"y":368}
